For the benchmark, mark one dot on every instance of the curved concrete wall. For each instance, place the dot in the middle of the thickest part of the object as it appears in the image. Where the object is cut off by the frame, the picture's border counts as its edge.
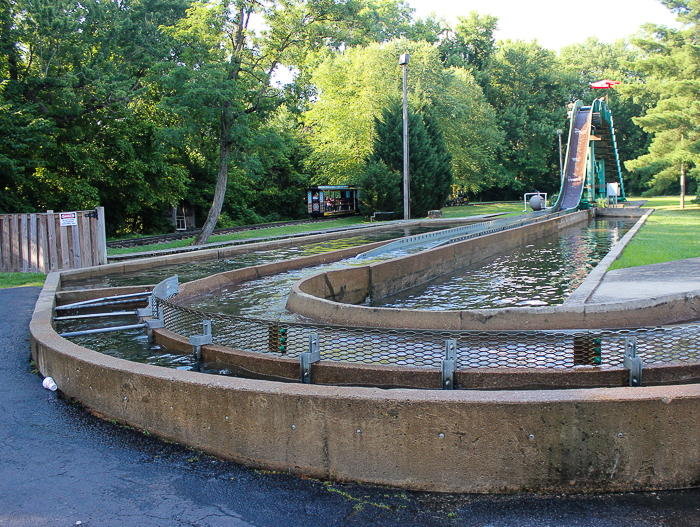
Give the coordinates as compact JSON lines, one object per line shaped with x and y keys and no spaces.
{"x":278,"y":367}
{"x":332,"y":297}
{"x":452,"y":441}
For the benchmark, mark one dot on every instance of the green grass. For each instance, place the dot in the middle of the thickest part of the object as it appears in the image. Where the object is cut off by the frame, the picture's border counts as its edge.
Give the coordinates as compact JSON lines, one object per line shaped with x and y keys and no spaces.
{"x":260,"y":233}
{"x":669,"y":234}
{"x":21,"y":280}
{"x":475,"y":209}
{"x":448,"y":212}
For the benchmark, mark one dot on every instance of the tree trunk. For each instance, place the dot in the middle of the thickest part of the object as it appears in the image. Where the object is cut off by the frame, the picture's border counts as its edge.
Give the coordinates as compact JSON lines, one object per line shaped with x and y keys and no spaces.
{"x":682,"y":177}
{"x":221,"y":182}
{"x":682,"y":185}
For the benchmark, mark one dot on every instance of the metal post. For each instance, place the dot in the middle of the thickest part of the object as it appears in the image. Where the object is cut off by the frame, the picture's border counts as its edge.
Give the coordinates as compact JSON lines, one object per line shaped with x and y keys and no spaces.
{"x":197,"y":341}
{"x":561,"y":167}
{"x":632,"y":362}
{"x":448,"y":365}
{"x":403,"y":61}
{"x":307,"y":358}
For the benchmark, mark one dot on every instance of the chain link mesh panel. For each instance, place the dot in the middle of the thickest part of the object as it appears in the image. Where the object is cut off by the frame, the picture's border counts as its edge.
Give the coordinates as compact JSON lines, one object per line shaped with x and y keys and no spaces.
{"x":475,"y":349}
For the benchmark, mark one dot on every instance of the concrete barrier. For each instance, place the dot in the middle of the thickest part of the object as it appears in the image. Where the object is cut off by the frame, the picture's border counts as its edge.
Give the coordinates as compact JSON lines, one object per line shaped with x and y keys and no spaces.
{"x":332,"y":297}
{"x":448,"y":441}
{"x":575,"y":440}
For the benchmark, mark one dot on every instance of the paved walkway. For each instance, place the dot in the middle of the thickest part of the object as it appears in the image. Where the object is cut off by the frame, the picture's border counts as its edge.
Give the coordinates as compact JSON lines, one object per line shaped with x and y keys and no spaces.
{"x":648,"y":281}
{"x":59,"y":466}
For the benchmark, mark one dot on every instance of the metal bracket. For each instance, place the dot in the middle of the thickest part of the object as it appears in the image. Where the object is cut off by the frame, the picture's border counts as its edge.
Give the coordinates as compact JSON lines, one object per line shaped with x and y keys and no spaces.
{"x":307,"y":358}
{"x":632,"y":362}
{"x":197,"y":341}
{"x":151,"y":324}
{"x":448,"y":365}
{"x":91,"y":214}
{"x":145,"y":312}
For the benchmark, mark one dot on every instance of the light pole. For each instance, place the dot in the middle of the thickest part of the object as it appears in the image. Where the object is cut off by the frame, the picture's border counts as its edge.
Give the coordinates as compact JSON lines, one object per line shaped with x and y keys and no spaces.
{"x":403,"y":62}
{"x":561,"y":168}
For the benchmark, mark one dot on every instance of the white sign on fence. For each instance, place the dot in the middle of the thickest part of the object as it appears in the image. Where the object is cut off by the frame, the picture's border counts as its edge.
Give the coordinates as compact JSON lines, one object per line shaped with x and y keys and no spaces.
{"x":68,"y":219}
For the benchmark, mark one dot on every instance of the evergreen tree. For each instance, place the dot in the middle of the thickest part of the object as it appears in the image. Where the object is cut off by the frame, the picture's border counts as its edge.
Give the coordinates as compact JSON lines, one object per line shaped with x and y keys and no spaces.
{"x":672,"y":68}
{"x":429,"y":164}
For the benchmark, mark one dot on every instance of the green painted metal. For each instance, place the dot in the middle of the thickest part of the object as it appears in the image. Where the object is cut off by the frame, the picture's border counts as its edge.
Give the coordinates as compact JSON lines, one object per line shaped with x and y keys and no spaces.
{"x":600,"y":105}
{"x":595,"y":184}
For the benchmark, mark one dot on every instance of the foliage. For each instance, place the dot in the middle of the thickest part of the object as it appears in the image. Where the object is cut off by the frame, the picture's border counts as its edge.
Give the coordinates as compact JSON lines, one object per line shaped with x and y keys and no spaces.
{"x":218,"y":75}
{"x":137,"y":105}
{"x":381,"y":190}
{"x":528,"y":93}
{"x":670,"y":62}
{"x":594,"y":60}
{"x":429,"y":165}
{"x":354,"y":88}
{"x":78,"y":126}
{"x":471,"y":44}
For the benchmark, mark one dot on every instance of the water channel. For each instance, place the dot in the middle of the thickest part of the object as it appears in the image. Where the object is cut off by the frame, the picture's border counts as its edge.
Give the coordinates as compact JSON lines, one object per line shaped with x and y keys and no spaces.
{"x":195,"y":270}
{"x":541,"y":273}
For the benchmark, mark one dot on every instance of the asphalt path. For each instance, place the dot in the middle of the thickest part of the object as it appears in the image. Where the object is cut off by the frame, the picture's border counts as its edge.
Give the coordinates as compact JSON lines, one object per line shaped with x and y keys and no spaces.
{"x":61,"y":466}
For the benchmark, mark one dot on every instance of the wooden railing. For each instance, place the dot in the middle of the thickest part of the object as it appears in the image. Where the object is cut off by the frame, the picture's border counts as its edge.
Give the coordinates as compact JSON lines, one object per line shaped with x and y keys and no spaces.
{"x":41,"y":243}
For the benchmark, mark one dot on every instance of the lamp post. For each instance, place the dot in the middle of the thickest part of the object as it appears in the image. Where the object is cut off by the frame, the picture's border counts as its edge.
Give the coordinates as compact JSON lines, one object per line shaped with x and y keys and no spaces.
{"x":561,"y":168}
{"x":403,"y":62}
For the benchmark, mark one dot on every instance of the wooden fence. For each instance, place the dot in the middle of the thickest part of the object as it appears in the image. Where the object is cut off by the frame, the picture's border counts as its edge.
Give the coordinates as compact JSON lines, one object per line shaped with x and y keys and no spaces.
{"x":37,"y":243}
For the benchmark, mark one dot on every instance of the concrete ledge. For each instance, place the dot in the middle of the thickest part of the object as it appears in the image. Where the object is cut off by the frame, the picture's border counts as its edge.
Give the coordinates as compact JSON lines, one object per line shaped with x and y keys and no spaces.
{"x":584,"y":291}
{"x":315,"y":297}
{"x":461,"y":441}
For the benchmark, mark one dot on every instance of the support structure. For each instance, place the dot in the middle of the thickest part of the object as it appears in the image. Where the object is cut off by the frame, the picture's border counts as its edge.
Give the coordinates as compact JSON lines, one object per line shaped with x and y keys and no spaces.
{"x":403,"y":61}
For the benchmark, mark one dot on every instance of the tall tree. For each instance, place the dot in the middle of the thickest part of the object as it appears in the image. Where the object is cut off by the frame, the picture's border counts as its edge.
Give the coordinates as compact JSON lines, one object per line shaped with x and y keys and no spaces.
{"x":78,"y":108}
{"x":355,"y":86}
{"x":471,"y":44}
{"x":430,"y":170}
{"x":219,"y":73}
{"x":671,"y":63}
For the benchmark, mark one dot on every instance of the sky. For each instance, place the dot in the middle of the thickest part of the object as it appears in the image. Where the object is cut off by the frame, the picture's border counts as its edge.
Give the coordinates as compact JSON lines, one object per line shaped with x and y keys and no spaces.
{"x":555,"y":23}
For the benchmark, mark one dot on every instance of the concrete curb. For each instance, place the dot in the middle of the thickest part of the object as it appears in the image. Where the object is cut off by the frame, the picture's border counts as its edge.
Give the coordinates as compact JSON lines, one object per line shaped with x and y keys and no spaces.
{"x":577,"y":440}
{"x":584,"y":291}
{"x":332,"y":297}
{"x":447,"y":441}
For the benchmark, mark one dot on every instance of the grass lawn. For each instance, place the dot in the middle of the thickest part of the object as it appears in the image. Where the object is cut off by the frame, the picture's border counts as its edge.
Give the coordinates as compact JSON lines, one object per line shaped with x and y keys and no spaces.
{"x":21,"y":279}
{"x":259,"y":233}
{"x":447,"y":212}
{"x":476,"y":209}
{"x":669,"y":234}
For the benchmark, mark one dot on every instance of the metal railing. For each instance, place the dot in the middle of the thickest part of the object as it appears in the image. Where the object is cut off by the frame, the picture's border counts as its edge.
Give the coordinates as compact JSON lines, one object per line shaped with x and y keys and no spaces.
{"x":426,"y":348}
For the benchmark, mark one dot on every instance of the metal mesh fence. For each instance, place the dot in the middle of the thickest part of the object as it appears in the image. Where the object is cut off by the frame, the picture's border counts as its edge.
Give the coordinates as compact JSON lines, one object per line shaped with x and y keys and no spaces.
{"x":405,"y":347}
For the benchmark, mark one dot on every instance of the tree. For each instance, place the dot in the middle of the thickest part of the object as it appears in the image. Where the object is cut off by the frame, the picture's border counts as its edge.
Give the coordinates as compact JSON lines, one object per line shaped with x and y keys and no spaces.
{"x":671,"y":64}
{"x":529,"y":96}
{"x":471,"y":44}
{"x":353,"y":89}
{"x":219,"y":74}
{"x":593,"y":60}
{"x":429,"y":167}
{"x":78,"y":121}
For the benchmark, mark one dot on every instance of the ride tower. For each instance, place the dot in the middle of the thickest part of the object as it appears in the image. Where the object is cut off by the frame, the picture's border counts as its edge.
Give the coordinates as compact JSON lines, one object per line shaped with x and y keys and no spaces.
{"x":592,"y":161}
